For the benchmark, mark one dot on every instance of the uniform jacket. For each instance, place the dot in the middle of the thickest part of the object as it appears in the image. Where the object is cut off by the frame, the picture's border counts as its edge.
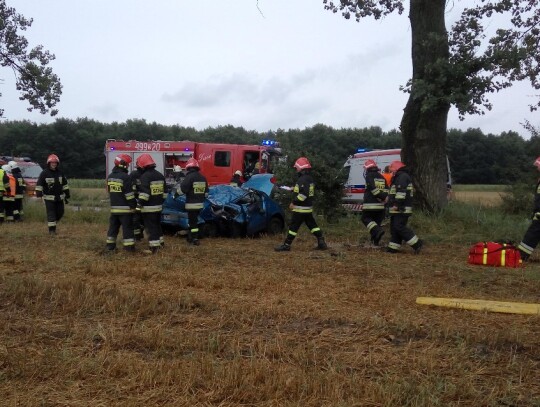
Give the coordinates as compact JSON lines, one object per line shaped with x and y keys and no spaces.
{"x":20,"y":185}
{"x":196,"y":189}
{"x":121,"y":192}
{"x":376,"y":191}
{"x":304,"y":191}
{"x":52,"y":185}
{"x":135,"y":178}
{"x":401,"y":193}
{"x":536,"y":214}
{"x":236,"y":181}
{"x":152,"y":190}
{"x":4,"y":183}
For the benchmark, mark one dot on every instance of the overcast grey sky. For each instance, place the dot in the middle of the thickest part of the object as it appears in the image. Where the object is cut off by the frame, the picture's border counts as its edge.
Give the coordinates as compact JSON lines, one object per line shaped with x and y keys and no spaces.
{"x":284,"y":64}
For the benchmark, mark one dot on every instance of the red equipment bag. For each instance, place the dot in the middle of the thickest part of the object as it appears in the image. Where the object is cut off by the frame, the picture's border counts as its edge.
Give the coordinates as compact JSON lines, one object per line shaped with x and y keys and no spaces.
{"x":495,"y":254}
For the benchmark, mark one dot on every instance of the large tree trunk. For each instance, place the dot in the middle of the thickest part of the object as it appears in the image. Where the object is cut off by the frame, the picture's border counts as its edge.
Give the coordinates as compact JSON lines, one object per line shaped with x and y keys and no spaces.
{"x":423,"y":125}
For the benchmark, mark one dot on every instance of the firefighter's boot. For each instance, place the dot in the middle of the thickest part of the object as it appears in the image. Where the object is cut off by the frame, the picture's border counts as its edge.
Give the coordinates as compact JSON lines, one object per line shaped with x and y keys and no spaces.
{"x":417,"y":247}
{"x":285,"y":247}
{"x":378,"y":236}
{"x":390,"y":250}
{"x":524,"y":256}
{"x":321,"y":244}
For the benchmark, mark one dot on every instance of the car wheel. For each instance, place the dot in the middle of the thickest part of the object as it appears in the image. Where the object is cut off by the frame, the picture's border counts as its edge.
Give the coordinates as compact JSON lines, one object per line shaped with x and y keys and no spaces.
{"x":275,"y":226}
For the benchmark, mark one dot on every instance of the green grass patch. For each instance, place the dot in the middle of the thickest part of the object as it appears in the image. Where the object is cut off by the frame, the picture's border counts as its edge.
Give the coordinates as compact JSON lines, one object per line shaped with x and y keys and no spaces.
{"x":480,"y":188}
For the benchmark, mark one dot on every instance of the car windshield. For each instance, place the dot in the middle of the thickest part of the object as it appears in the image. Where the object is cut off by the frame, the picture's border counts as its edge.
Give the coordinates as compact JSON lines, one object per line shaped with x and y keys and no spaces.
{"x":31,"y":171}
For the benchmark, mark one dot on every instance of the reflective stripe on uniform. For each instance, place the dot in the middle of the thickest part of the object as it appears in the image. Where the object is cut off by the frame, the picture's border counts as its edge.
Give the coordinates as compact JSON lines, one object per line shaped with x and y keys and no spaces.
{"x":395,"y":246}
{"x":151,"y":208}
{"x":525,"y":248}
{"x":371,"y":225}
{"x":198,"y":205}
{"x":302,"y":209}
{"x":413,"y":240}
{"x":372,"y":206}
{"x":315,"y":230}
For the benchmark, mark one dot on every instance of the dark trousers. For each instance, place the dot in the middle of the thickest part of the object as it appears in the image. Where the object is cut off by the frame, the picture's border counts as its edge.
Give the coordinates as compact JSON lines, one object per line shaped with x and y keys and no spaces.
{"x":152,"y":225}
{"x":531,"y":238}
{"x":126,"y":221}
{"x":400,"y":232}
{"x":297,"y":219}
{"x":9,"y":205}
{"x":18,"y":208}
{"x":138,"y":225}
{"x":372,"y":220}
{"x":2,"y":208}
{"x":193,"y":219}
{"x":55,"y":212}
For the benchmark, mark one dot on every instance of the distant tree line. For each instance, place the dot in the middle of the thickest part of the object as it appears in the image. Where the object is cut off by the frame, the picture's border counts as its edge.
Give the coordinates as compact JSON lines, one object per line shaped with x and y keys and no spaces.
{"x":475,"y":158}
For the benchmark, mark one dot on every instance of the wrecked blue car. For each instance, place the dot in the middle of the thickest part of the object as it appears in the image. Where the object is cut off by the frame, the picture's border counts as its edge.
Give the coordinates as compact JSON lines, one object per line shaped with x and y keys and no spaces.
{"x":228,"y":210}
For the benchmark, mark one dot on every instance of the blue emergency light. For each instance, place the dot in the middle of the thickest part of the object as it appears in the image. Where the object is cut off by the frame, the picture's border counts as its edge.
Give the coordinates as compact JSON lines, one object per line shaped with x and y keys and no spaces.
{"x":363,"y":150}
{"x":270,"y":143}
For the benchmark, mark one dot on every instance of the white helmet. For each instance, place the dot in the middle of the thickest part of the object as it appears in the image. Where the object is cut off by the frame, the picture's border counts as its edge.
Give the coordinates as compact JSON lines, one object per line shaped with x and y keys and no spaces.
{"x":6,"y":168}
{"x":238,"y":172}
{"x":13,"y":165}
{"x":177,"y":168}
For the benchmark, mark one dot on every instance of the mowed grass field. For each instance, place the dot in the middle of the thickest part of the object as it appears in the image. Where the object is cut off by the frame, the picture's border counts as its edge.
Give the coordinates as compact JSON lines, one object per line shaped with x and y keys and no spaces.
{"x":233,"y":323}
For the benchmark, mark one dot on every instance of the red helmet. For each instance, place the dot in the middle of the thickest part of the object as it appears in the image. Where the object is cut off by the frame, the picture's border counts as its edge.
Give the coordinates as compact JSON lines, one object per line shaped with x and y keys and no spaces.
{"x":302,"y":164}
{"x":192,"y":163}
{"x":370,"y":164}
{"x":396,"y":165}
{"x":145,"y":160}
{"x":122,"y":160}
{"x":53,"y":158}
{"x":537,"y":162}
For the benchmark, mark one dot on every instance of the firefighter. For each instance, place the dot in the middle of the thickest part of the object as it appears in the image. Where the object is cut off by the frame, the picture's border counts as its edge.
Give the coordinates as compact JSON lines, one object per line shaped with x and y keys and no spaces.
{"x":195,"y":187}
{"x":4,"y":187}
{"x":151,"y":196}
{"x":123,"y":204}
{"x":400,"y":203}
{"x":373,"y":208}
{"x":532,"y":235}
{"x":135,"y":179}
{"x":20,"y":188}
{"x":9,"y":194}
{"x":302,"y":207}
{"x":53,"y":187}
{"x":235,"y":180}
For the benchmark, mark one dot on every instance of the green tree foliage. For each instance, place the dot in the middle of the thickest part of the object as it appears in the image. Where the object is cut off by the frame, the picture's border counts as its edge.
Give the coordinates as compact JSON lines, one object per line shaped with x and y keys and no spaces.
{"x":460,"y":68}
{"x":35,"y":80}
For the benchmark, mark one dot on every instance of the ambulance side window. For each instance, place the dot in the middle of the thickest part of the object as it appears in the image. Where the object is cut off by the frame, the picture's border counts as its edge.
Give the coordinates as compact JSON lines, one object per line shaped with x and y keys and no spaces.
{"x":222,"y":159}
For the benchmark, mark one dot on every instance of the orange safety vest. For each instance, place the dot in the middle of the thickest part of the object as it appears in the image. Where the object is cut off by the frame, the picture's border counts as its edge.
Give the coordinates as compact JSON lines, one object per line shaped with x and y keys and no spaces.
{"x":12,"y":185}
{"x":388,"y":177}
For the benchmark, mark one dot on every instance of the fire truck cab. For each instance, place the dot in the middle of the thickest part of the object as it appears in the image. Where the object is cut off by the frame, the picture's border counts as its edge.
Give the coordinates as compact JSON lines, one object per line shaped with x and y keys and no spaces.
{"x":218,"y":162}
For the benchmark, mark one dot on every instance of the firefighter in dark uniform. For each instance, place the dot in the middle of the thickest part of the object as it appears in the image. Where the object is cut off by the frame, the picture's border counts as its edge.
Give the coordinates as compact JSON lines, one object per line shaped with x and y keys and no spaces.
{"x":151,"y":196}
{"x":235,"y":180}
{"x":4,"y":187}
{"x":123,"y":204}
{"x":532,"y":235}
{"x":373,"y":208}
{"x":135,"y":178}
{"x":20,"y":189}
{"x":195,"y":187}
{"x":400,"y":203}
{"x":53,"y":186}
{"x":302,"y":207}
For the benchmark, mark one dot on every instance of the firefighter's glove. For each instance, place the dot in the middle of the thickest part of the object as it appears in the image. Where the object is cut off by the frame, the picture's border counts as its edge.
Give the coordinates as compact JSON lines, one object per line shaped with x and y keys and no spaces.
{"x":536,"y":216}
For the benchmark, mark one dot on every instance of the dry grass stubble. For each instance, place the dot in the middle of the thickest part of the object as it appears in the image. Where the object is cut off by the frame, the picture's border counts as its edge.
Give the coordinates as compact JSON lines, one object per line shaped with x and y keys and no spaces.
{"x":234,"y":323}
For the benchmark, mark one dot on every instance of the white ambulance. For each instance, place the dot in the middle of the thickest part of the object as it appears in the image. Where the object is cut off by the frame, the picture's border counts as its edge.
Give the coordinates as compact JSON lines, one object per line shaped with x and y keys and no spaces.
{"x":355,"y":185}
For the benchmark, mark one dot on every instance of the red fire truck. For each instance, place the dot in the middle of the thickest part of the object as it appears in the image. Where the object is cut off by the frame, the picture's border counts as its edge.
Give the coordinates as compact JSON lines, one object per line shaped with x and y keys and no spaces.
{"x":218,"y":162}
